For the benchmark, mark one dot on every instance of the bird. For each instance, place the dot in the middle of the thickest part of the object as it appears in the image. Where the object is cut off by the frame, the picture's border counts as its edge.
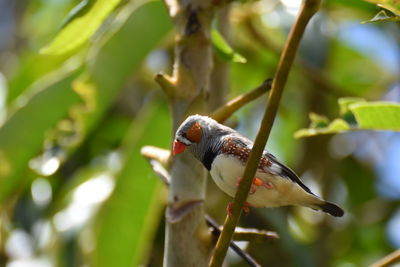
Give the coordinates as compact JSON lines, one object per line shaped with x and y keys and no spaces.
{"x":224,"y":153}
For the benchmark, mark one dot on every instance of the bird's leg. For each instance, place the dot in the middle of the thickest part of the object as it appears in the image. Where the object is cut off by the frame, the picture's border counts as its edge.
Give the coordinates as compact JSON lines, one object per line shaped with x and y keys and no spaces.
{"x":256,"y":182}
{"x":246,"y":208}
{"x":259,"y":182}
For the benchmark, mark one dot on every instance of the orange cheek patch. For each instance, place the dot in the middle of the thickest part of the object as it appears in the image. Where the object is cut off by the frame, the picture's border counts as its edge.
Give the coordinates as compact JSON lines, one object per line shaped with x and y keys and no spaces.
{"x":194,"y":134}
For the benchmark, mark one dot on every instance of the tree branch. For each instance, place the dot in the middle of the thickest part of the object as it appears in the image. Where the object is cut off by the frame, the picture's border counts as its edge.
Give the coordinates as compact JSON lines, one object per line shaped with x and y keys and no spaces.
{"x":224,"y":112}
{"x":251,"y":234}
{"x":388,"y":259}
{"x":244,"y":255}
{"x":160,"y":154}
{"x":308,"y":9}
{"x":167,"y":84}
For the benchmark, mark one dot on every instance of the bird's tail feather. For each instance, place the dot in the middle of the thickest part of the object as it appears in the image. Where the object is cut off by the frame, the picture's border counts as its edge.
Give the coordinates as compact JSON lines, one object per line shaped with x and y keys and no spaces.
{"x":330,"y":208}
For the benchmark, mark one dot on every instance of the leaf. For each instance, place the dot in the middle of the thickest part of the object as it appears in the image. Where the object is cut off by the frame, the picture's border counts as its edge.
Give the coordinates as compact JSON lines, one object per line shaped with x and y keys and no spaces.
{"x":52,"y":104}
{"x":128,"y":221}
{"x":382,"y":16}
{"x":224,"y":50}
{"x":115,"y":57}
{"x":336,"y":126}
{"x":345,"y":102}
{"x":377,"y":115}
{"x":42,"y":112}
{"x":391,"y":5}
{"x":365,"y":115}
{"x":81,"y":24}
{"x":318,"y":121}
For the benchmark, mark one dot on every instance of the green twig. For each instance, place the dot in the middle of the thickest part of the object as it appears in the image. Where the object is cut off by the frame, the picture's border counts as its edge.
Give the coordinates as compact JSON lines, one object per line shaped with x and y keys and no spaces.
{"x":224,"y":112}
{"x":308,"y":9}
{"x":388,"y":259}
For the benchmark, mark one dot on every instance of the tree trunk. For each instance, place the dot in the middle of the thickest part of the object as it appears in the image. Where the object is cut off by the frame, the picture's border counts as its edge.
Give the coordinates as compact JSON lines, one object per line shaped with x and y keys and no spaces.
{"x":188,"y":241}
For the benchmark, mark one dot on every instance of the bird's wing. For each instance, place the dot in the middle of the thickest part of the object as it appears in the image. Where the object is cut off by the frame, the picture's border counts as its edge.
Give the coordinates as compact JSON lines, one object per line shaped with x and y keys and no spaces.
{"x":240,"y":147}
{"x":269,"y":163}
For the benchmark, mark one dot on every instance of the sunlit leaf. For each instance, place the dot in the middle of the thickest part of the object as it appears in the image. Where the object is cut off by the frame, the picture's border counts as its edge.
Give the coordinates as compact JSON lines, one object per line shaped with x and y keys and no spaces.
{"x":336,"y":126}
{"x":81,"y":24}
{"x":383,"y":16}
{"x":116,"y":57}
{"x":126,"y":224}
{"x":27,"y":75}
{"x":128,"y":221}
{"x":345,"y":102}
{"x":391,"y":5}
{"x":224,"y":50}
{"x":377,"y":115}
{"x":22,"y":135}
{"x":318,"y":121}
{"x":365,"y":115}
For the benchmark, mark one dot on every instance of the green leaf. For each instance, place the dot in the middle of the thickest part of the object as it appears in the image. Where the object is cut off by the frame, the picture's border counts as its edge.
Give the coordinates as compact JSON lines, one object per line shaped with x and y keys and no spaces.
{"x":336,"y":126}
{"x":318,"y":121}
{"x":391,"y":5}
{"x":377,"y":115}
{"x":382,"y":16}
{"x":52,"y":104}
{"x":128,"y":221}
{"x":365,"y":115}
{"x":224,"y":50}
{"x":22,"y":135}
{"x":345,"y":102}
{"x":115,"y":57}
{"x":81,"y":24}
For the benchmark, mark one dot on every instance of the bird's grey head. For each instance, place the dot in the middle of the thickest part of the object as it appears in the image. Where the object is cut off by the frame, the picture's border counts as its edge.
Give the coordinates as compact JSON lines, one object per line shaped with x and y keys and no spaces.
{"x":200,"y":134}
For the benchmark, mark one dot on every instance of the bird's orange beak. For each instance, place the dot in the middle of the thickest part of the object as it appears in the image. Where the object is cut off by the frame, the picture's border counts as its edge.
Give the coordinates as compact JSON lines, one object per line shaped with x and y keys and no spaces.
{"x":178,"y":148}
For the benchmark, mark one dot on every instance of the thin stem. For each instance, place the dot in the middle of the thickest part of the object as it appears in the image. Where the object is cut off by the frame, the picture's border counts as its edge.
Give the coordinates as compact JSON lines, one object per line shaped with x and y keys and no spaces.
{"x":244,"y":255}
{"x":308,"y":9}
{"x":388,"y":259}
{"x":224,"y":112}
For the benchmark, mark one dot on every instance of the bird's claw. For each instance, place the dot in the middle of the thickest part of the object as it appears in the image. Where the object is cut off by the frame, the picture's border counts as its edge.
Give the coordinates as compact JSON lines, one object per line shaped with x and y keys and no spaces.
{"x":256,"y":182}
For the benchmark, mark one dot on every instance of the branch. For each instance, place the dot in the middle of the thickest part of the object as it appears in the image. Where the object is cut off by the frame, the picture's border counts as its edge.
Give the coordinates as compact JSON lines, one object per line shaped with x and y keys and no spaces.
{"x":308,"y":9}
{"x":166,"y":83}
{"x":388,"y":259}
{"x":165,"y":177}
{"x":216,"y":232}
{"x":251,"y":234}
{"x":224,"y":112}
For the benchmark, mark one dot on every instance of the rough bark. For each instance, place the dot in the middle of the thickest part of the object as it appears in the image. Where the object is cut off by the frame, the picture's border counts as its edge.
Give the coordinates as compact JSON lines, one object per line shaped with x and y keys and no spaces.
{"x":188,"y":241}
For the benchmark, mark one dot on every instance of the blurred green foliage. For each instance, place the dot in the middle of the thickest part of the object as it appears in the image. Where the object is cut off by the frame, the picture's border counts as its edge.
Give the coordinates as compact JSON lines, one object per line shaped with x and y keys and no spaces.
{"x":74,"y":189}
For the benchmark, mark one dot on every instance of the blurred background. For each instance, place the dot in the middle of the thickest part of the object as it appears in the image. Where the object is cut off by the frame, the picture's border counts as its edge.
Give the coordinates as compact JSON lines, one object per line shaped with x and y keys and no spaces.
{"x":74,"y":189}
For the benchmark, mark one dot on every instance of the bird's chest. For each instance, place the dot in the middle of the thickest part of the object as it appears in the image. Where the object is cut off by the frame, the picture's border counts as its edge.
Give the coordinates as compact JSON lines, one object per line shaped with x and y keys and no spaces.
{"x":225,"y":171}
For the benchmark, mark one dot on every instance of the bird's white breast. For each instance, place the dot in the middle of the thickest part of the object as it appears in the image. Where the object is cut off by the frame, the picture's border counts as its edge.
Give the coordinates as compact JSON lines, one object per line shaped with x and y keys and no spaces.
{"x":226,"y":170}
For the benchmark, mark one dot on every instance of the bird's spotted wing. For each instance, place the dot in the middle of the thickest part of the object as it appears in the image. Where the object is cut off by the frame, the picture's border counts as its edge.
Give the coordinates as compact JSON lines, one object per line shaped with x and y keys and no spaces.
{"x":277,"y":168}
{"x":240,"y":147}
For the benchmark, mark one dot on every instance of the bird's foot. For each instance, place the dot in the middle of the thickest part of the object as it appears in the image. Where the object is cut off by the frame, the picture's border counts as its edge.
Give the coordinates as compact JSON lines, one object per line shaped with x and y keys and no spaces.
{"x":246,"y":208}
{"x":257,"y":182}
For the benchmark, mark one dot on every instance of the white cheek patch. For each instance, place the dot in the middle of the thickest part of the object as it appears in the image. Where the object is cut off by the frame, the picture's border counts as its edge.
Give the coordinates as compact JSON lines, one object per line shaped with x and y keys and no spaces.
{"x":184,"y":141}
